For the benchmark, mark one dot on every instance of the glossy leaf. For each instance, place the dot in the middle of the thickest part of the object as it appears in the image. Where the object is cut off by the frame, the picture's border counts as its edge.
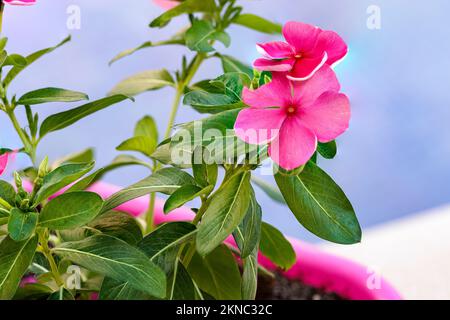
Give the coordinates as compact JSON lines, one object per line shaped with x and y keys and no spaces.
{"x":217,"y":274}
{"x":64,"y":119}
{"x":30,"y":59}
{"x":146,"y":127}
{"x":7,"y":192}
{"x":15,"y":258}
{"x":184,"y":194}
{"x":276,"y":247}
{"x":119,"y":290}
{"x":142,"y":144}
{"x":227,"y":208}
{"x":166,"y":180}
{"x":248,"y":232}
{"x":181,"y":286}
{"x":257,"y":23}
{"x":187,"y":6}
{"x":116,"y":259}
{"x":21,"y":225}
{"x":142,"y":82}
{"x":15,"y":60}
{"x":327,"y":150}
{"x":200,"y":36}
{"x":320,"y":205}
{"x":60,"y":178}
{"x":51,"y":95}
{"x":231,"y":64}
{"x":84,"y":156}
{"x":70,"y":210}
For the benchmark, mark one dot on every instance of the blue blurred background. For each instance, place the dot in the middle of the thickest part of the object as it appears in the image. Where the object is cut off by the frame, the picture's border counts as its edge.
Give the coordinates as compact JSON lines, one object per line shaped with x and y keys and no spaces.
{"x":393,"y":161}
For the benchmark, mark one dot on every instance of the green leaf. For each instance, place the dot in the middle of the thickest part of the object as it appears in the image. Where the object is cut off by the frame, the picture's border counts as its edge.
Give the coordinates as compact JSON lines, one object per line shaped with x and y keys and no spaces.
{"x":84,"y":156}
{"x":7,"y":192}
{"x":162,"y":245}
{"x":22,"y":225}
{"x":64,"y":119}
{"x":142,"y":82}
{"x":144,"y":145}
{"x":15,"y":60}
{"x":146,"y":127}
{"x":166,"y":180}
{"x":250,"y":276}
{"x":247,"y":234}
{"x":320,"y":205}
{"x":15,"y":258}
{"x":276,"y":247}
{"x":231,"y":64}
{"x":227,"y":208}
{"x":61,"y":294}
{"x":178,"y":39}
{"x":32,"y":291}
{"x":119,"y":225}
{"x":118,"y":290}
{"x":30,"y":59}
{"x":327,"y":150}
{"x":188,"y":6}
{"x":217,"y":274}
{"x":205,"y":172}
{"x":70,"y":210}
{"x":60,"y":178}
{"x":269,"y":189}
{"x":51,"y":95}
{"x":185,"y":194}
{"x":181,"y":286}
{"x":257,"y":23}
{"x":199,"y":37}
{"x":116,"y":259}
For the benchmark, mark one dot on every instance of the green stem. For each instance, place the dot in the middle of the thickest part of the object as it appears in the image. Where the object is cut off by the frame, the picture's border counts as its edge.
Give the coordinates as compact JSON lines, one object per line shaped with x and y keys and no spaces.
{"x":2,"y":7}
{"x":149,"y":217}
{"x":29,"y":147}
{"x":48,"y":254}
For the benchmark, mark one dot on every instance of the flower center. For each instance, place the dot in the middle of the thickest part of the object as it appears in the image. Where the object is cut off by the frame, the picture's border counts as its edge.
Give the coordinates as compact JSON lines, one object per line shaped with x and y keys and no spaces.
{"x":291,"y":110}
{"x":298,"y":56}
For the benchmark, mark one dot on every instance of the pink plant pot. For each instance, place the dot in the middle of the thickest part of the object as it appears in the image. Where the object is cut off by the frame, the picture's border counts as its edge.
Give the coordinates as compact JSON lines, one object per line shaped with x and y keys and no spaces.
{"x":313,"y":266}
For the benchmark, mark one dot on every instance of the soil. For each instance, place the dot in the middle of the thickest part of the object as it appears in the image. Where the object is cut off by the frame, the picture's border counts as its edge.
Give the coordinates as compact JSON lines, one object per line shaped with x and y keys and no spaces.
{"x":281,"y":288}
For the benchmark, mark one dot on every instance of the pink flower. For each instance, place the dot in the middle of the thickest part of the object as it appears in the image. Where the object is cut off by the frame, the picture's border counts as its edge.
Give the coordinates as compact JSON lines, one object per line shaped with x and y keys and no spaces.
{"x":293,"y":116}
{"x":307,"y":49}
{"x":5,"y":156}
{"x":20,"y":2}
{"x":166,"y":4}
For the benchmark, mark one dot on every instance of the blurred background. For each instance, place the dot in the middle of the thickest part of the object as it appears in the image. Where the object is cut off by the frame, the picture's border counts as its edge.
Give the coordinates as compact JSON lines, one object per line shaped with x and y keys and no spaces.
{"x":394,"y":160}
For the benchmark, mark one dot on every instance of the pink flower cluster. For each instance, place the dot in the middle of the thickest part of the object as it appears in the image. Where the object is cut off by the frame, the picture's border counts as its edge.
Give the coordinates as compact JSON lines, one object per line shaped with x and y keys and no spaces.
{"x":302,"y":104}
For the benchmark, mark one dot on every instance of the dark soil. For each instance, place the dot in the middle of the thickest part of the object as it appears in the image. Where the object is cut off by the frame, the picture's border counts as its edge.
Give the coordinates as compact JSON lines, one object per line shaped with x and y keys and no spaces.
{"x":281,"y":288}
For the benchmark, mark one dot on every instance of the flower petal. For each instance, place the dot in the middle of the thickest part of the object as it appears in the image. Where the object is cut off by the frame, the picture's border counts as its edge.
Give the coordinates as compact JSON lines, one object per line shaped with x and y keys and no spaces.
{"x":258,"y":126}
{"x":275,"y":50}
{"x":328,"y":117}
{"x":301,"y":36}
{"x":166,"y":4}
{"x":20,"y":2}
{"x":333,"y":45}
{"x":294,"y":146}
{"x":3,"y":162}
{"x":264,"y":64}
{"x":304,"y":68}
{"x":307,"y":92}
{"x":276,"y":93}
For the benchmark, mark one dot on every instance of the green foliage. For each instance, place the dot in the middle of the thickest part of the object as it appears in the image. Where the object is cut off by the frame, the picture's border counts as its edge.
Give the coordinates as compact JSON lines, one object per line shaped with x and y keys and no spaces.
{"x":51,"y":95}
{"x":257,"y":23}
{"x":142,"y":82}
{"x":21,"y":225}
{"x":200,"y":36}
{"x":276,"y":247}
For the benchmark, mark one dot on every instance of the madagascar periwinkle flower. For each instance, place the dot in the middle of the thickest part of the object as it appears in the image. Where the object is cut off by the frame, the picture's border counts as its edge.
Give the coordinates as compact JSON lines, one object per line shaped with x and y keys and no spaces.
{"x":5,"y":155}
{"x":20,"y":2}
{"x":291,"y":116}
{"x":307,"y":49}
{"x":166,"y":4}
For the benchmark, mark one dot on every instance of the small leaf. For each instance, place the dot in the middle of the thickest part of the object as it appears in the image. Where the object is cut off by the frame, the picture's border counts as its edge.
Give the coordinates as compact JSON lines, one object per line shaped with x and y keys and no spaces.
{"x":231,"y":64}
{"x":248,"y":232}
{"x":187,"y":6}
{"x":64,"y":119}
{"x":142,"y":144}
{"x":320,"y":205}
{"x":15,"y":258}
{"x":146,"y":127}
{"x":200,"y":36}
{"x":269,"y":189}
{"x":70,"y":210}
{"x":227,"y":208}
{"x":184,"y":194}
{"x":21,"y":225}
{"x":60,"y":178}
{"x":142,"y":82}
{"x":327,"y":150}
{"x":276,"y":247}
{"x":217,"y":274}
{"x":51,"y":95}
{"x":7,"y":192}
{"x":205,"y":174}
{"x":116,"y":259}
{"x":15,"y":60}
{"x":165,"y":180}
{"x":257,"y":23}
{"x":12,"y":74}
{"x":84,"y":156}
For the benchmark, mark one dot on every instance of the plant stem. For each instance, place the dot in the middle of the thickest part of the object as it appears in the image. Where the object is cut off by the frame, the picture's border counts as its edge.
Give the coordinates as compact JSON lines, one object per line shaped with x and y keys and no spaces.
{"x":48,"y":254}
{"x":29,"y":148}
{"x":2,"y":7}
{"x":181,"y":87}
